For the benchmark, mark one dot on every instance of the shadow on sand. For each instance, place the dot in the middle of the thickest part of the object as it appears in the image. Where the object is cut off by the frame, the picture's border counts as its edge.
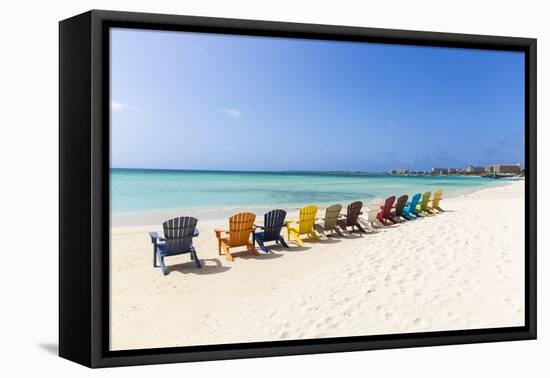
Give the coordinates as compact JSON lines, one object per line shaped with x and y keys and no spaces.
{"x":261,"y":255}
{"x":209,"y":266}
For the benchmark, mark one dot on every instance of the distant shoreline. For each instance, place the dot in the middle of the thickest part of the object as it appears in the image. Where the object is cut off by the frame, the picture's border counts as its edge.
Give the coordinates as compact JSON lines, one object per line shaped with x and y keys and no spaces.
{"x":294,"y":172}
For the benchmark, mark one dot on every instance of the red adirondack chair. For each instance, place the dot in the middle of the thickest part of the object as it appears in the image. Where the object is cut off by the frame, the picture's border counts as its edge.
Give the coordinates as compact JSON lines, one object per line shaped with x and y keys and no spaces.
{"x":384,"y":216}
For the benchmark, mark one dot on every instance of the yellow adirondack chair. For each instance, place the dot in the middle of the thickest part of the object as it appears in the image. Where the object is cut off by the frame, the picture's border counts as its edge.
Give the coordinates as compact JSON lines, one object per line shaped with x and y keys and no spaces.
{"x":241,"y":228}
{"x":304,"y":226}
{"x":422,"y":208}
{"x":438,"y":194}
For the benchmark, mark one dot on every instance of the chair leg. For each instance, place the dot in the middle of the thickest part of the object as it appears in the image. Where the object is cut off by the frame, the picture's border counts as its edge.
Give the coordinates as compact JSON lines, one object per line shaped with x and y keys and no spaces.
{"x":262,"y":246}
{"x":320,"y":230}
{"x":195,"y":258}
{"x":297,"y":239}
{"x":314,"y":235}
{"x":154,"y":257}
{"x":361,"y":229}
{"x":252,"y":249}
{"x":163,"y":266}
{"x":283,"y":243}
{"x":344,"y":228}
{"x":228,"y":255}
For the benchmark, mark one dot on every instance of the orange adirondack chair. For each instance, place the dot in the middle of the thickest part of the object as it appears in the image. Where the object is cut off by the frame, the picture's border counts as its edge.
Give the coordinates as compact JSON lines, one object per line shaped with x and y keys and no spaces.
{"x":241,"y":228}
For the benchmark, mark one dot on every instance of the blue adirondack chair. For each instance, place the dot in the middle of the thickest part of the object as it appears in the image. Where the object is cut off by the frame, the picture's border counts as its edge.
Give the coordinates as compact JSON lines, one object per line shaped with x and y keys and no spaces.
{"x":271,"y":230}
{"x":409,"y":211}
{"x":178,"y":239}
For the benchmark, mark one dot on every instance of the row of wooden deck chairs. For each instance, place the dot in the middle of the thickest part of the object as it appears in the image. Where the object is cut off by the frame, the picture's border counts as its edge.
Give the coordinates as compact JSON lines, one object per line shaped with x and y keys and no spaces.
{"x":243,"y":232}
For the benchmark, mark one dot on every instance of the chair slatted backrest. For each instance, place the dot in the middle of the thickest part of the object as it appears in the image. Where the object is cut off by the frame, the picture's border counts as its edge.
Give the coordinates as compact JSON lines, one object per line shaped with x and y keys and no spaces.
{"x":273,"y":222}
{"x":425,"y":200}
{"x":178,"y":233}
{"x":400,"y":204}
{"x":387,"y":206}
{"x":331,"y":216}
{"x":307,"y":219}
{"x":354,"y":210}
{"x":437,"y":197}
{"x":414,"y":202}
{"x":240,"y":228}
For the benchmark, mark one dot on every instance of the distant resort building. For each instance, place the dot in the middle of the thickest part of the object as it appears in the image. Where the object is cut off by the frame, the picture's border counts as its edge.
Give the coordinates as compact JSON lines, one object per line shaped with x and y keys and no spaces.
{"x":471,"y":170}
{"x":493,"y":171}
{"x":439,"y":171}
{"x":503,"y":169}
{"x":446,"y":171}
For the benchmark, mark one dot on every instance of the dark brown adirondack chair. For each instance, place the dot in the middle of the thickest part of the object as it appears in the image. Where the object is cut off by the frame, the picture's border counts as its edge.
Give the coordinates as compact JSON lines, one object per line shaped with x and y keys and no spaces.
{"x":397,"y":212}
{"x":177,"y":240}
{"x":351,"y":219}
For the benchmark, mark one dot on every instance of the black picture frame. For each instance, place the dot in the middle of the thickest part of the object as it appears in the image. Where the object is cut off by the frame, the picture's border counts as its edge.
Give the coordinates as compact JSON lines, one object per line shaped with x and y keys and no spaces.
{"x":84,"y":189}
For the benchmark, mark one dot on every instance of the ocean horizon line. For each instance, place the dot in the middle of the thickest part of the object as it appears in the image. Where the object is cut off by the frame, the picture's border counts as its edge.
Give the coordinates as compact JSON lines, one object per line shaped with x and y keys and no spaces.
{"x":274,"y":172}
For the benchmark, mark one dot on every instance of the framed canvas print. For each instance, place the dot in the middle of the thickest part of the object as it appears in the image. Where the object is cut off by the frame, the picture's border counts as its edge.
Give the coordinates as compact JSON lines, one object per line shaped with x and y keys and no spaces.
{"x":235,"y":188}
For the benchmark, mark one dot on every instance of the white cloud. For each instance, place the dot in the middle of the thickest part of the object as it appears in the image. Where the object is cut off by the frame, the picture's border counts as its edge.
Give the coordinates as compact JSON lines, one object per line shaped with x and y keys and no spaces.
{"x":118,"y":106}
{"x":236,"y":113}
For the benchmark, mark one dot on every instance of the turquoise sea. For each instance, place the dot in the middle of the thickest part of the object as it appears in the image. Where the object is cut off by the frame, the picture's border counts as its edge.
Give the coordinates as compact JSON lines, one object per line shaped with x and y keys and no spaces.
{"x":141,"y":190}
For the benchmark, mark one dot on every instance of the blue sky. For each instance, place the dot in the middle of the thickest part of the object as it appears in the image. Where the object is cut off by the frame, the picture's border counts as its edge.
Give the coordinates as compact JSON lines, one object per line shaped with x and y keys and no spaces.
{"x":205,"y":101}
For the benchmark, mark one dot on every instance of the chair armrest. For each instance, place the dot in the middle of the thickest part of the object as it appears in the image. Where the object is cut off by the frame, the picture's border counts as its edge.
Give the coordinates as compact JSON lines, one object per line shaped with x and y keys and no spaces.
{"x":262,"y":227}
{"x":155,"y":237}
{"x":196,"y":233}
{"x":219,"y":231}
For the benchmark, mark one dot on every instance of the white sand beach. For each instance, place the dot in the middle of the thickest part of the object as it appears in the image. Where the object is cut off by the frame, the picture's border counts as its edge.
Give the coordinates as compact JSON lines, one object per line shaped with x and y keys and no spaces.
{"x":461,"y":269}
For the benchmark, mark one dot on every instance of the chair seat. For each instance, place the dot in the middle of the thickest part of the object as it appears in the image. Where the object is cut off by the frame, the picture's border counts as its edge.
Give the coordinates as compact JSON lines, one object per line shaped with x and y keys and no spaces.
{"x":227,"y":242}
{"x":162,"y":250}
{"x":261,"y":236}
{"x":343,"y":222}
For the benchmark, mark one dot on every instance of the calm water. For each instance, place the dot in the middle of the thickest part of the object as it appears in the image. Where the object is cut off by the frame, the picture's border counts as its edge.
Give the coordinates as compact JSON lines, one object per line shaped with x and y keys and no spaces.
{"x":148,"y":190}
